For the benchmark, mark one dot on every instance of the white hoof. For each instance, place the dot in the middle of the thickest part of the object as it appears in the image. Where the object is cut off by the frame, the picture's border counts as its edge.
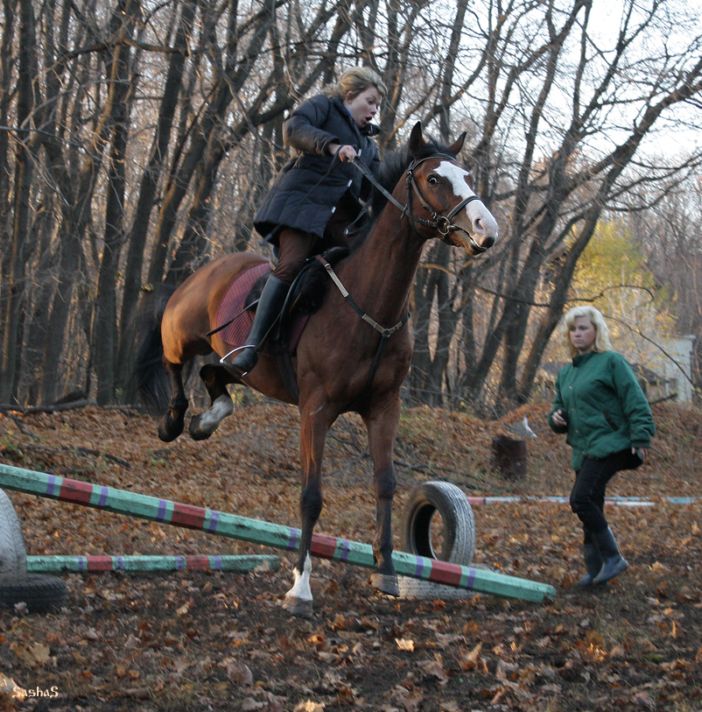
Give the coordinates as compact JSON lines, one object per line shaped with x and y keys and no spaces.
{"x":300,"y":607}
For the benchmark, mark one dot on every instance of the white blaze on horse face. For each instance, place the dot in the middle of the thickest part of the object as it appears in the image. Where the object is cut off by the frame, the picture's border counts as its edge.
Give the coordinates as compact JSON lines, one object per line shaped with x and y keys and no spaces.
{"x":481,"y":219}
{"x":301,"y":588}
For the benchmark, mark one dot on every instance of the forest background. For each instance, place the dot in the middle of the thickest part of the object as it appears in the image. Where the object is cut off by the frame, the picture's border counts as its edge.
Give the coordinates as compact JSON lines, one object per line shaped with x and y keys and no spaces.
{"x":137,"y":138}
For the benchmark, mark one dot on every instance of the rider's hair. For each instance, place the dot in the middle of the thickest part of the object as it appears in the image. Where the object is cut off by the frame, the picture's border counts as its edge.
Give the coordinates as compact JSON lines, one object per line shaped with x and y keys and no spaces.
{"x":602,"y":342}
{"x":356,"y":80}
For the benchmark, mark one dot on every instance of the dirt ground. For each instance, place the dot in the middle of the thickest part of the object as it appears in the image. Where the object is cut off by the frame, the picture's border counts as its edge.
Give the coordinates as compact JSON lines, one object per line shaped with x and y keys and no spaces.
{"x":221,"y":641}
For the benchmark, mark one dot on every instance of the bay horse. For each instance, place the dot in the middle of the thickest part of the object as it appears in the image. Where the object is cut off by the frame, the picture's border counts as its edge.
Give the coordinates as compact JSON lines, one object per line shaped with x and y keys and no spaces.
{"x":347,"y":359}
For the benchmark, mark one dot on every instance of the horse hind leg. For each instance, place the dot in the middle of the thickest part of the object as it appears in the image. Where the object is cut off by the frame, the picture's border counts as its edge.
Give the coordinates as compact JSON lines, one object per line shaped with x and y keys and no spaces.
{"x":215,"y":379}
{"x":172,"y":423}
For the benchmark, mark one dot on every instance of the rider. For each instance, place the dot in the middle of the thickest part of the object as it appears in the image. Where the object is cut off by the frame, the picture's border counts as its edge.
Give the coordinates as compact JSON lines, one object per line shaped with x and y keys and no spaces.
{"x":313,"y":200}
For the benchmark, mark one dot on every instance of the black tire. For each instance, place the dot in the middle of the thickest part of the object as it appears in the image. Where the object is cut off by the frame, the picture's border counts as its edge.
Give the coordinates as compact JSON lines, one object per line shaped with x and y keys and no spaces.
{"x":41,"y":593}
{"x":13,"y":555}
{"x":458,"y":540}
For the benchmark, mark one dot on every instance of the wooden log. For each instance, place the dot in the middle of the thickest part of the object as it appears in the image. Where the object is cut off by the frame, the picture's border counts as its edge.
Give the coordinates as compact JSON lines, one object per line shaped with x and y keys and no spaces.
{"x":509,"y":457}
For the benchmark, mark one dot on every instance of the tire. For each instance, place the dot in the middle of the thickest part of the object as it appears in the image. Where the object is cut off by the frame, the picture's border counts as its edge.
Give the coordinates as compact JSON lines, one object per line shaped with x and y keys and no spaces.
{"x":13,"y":555}
{"x":458,"y":544}
{"x":42,"y":594}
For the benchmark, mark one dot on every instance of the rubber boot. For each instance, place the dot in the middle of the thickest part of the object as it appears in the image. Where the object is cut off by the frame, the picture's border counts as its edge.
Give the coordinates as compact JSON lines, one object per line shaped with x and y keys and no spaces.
{"x":593,"y":562}
{"x":269,"y":306}
{"x":613,"y":563}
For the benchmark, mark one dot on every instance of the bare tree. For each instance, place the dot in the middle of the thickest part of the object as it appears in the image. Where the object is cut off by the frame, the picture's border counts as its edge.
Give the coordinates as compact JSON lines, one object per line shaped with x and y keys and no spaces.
{"x":137,"y":139}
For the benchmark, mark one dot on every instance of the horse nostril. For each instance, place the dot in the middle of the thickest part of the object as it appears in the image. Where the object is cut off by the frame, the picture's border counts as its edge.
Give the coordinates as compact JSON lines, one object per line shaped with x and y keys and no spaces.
{"x":488,"y":242}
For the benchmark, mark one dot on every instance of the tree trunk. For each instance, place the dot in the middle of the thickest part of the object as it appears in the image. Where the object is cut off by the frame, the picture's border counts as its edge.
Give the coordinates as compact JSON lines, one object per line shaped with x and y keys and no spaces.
{"x":14,"y":291}
{"x":136,"y":242}
{"x":105,"y":326}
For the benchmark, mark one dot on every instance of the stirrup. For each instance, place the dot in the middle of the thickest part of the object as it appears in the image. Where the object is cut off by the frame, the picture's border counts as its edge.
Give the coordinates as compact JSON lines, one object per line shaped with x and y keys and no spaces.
{"x":224,"y":358}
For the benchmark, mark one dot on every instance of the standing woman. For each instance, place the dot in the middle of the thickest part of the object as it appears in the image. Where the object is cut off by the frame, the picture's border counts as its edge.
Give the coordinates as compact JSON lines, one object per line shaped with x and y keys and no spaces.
{"x":317,"y":195}
{"x":601,"y":406}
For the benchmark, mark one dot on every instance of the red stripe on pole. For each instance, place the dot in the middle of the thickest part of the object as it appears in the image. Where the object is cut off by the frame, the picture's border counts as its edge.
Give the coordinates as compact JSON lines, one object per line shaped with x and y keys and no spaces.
{"x":76,"y":491}
{"x":324,"y":546}
{"x":445,"y":572}
{"x":197,"y":563}
{"x":100,"y":563}
{"x":187,"y":515}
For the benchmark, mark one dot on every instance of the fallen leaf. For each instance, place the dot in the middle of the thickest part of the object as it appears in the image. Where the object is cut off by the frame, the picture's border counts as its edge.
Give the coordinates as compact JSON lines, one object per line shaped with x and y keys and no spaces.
{"x":309,"y":706}
{"x":469,"y":661}
{"x":434,"y":668}
{"x":405,"y":644}
{"x":237,"y":672}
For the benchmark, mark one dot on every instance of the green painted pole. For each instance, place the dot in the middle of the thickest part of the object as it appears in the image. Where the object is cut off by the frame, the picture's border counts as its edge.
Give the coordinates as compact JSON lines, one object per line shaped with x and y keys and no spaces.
{"x":150,"y":563}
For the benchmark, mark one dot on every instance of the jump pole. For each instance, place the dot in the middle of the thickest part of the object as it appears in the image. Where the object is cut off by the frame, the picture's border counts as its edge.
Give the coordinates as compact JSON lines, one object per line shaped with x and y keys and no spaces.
{"x":150,"y":563}
{"x":261,"y":532}
{"x":616,"y":500}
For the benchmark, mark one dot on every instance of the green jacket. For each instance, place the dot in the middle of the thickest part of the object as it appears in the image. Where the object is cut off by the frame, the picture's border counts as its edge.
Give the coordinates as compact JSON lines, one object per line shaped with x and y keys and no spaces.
{"x":606,"y":409}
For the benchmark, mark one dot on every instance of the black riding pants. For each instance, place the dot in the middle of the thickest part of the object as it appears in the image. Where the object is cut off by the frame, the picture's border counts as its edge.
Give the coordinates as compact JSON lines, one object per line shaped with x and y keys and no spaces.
{"x":588,"y":495}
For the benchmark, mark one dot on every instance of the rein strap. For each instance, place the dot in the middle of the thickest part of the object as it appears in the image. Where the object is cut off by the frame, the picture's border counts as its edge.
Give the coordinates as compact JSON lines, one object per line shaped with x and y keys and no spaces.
{"x":386,"y":333}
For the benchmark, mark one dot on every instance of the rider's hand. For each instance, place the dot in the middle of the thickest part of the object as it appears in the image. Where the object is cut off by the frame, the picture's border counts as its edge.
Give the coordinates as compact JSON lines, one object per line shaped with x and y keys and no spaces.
{"x":343,"y":153}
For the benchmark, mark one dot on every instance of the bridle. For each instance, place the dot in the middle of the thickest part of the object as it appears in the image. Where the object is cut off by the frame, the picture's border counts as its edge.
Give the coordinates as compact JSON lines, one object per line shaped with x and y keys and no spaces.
{"x":438,"y":222}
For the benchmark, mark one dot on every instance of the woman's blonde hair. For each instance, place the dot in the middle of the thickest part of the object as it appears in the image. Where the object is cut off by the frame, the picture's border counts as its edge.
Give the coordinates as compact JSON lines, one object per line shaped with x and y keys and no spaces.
{"x":602,"y":342}
{"x":356,"y":80}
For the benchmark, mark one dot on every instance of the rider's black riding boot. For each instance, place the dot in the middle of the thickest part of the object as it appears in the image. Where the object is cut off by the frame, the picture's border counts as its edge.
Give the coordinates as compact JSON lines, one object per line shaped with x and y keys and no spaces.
{"x":269,"y":306}
{"x":593,"y":561}
{"x":613,"y":563}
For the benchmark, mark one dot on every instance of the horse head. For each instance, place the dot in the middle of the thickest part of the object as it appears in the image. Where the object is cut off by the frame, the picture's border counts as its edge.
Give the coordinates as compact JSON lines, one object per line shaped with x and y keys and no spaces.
{"x":446,"y":203}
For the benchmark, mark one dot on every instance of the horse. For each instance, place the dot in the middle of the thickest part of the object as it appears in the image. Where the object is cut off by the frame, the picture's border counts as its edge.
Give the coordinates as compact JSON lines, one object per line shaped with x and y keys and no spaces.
{"x":355,"y":350}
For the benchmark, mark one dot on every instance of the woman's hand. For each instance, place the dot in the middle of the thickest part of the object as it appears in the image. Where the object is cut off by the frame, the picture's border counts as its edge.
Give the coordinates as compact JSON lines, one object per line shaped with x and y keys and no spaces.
{"x":640,"y":452}
{"x":343,"y":153}
{"x":559,"y":419}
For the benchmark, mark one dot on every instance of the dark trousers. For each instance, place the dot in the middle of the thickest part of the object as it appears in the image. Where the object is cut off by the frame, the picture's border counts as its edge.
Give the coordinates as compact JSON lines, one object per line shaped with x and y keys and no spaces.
{"x":295,"y":246}
{"x":588,"y":495}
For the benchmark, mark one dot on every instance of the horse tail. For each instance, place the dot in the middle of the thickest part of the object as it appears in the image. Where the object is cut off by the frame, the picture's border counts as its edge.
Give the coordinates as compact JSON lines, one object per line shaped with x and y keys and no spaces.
{"x":149,"y":372}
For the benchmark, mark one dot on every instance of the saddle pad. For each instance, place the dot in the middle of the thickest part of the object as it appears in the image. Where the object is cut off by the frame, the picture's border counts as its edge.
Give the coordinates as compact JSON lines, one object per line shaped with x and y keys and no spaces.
{"x":232,"y":307}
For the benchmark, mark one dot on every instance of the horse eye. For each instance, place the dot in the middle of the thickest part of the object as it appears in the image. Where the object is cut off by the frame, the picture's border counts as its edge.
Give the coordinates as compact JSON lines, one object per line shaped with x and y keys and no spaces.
{"x":433,"y":180}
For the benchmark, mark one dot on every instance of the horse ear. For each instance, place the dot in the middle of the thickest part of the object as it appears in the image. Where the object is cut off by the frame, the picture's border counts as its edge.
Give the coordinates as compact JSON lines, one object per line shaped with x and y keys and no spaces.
{"x":416,"y":140}
{"x":457,"y":145}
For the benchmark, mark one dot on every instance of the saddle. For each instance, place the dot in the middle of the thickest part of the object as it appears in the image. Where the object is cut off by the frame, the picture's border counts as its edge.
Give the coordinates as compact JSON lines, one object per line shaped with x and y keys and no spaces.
{"x":305,"y":296}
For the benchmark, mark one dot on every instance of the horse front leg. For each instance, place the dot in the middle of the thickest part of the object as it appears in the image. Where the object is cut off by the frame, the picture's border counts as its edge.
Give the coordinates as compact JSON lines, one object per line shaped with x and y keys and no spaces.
{"x":381,"y":424}
{"x":215,"y":379}
{"x":313,"y":430}
{"x":171,"y":425}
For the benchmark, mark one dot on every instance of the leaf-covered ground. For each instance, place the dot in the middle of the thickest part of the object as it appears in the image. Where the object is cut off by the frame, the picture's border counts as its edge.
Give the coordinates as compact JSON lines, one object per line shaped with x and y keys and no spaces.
{"x":201,"y":641}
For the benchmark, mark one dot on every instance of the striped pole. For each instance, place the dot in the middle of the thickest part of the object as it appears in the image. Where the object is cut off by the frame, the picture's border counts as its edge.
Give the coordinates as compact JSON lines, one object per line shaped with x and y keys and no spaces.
{"x":262,"y":532}
{"x":616,"y":500}
{"x":133,"y":563}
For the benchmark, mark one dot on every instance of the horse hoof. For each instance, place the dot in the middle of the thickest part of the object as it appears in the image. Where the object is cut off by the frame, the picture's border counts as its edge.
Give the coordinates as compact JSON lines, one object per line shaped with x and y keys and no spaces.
{"x":197,"y":432}
{"x":300,"y":607}
{"x":386,"y":583}
{"x":167,"y":432}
